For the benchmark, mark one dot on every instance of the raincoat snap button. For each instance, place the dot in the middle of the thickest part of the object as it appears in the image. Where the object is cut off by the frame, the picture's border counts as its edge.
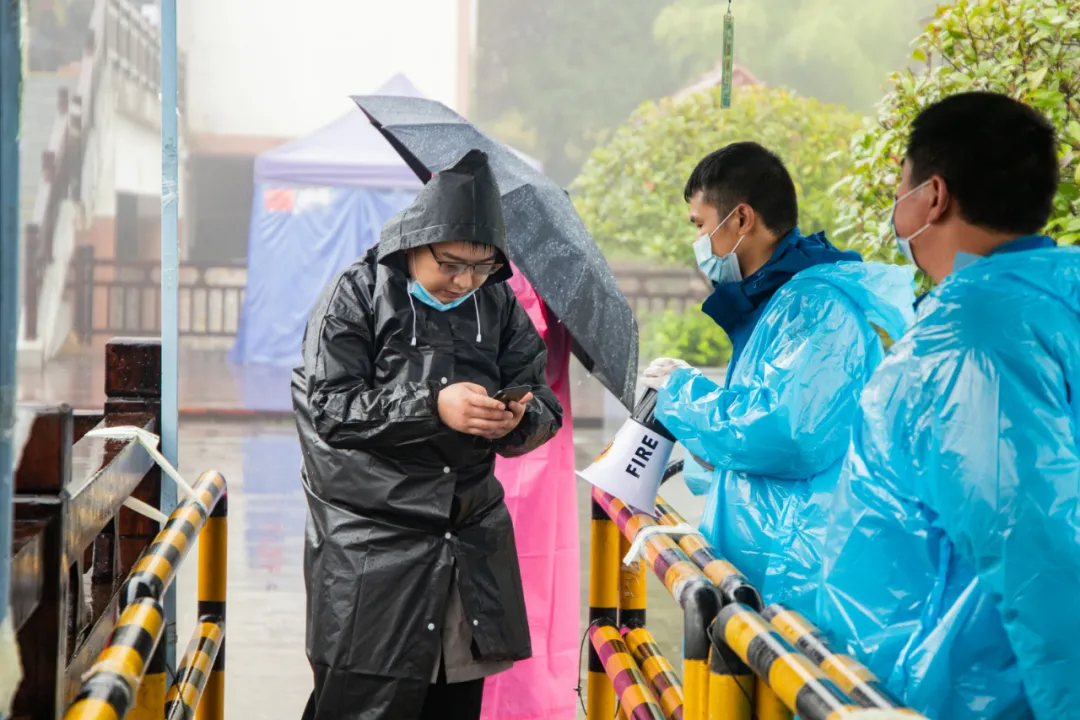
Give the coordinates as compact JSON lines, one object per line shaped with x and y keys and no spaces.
{"x":446,"y":470}
{"x":443,"y":381}
{"x":448,"y":536}
{"x":475,"y":623}
{"x":431,"y":626}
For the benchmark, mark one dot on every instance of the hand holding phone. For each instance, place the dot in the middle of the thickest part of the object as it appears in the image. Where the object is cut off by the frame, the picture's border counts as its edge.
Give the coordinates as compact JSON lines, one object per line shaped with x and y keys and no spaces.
{"x":512,"y":394}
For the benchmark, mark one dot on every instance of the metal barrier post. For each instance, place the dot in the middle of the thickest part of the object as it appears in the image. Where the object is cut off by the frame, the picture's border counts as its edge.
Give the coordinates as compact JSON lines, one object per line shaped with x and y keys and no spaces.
{"x":604,"y":562}
{"x":195,"y":671}
{"x":213,"y":566}
{"x":734,"y":588}
{"x":632,"y":591}
{"x":151,"y":577}
{"x":11,"y":72}
{"x":731,"y":685}
{"x":150,"y":698}
{"x":632,"y":597}
{"x":697,"y":597}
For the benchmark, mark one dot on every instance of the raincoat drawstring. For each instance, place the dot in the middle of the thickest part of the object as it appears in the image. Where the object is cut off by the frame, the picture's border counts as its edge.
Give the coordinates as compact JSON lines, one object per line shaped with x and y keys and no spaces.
{"x":476,"y":304}
{"x":412,"y":306}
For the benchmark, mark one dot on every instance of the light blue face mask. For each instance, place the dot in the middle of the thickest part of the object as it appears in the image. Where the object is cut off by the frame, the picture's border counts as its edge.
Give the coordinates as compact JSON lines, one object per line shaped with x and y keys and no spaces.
{"x":905,"y":243}
{"x":721,"y":269}
{"x":416,"y":290}
{"x":420,"y":293}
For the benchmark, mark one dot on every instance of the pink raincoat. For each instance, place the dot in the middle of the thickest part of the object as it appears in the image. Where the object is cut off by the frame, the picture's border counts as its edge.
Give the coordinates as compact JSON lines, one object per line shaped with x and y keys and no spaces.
{"x":542,"y":496}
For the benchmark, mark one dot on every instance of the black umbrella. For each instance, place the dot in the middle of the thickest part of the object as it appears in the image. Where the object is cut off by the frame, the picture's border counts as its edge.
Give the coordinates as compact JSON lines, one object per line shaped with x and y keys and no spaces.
{"x":548,"y":241}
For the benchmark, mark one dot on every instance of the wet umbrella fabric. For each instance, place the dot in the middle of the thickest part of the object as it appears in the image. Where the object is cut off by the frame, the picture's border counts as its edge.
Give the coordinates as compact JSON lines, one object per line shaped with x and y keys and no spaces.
{"x":548,"y":241}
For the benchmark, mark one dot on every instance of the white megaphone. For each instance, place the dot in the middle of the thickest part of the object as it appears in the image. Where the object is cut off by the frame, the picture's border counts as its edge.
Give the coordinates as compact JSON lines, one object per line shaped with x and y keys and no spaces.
{"x":632,"y":466}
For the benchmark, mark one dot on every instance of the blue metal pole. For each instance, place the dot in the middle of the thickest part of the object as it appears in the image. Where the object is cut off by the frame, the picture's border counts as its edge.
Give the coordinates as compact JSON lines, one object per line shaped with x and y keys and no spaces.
{"x":11,"y":60}
{"x":170,"y":277}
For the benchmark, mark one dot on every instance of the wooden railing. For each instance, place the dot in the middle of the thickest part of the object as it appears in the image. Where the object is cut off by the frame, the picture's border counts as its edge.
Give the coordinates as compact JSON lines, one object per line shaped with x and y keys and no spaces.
{"x":118,"y":38}
{"x":74,"y":543}
{"x":113,"y":297}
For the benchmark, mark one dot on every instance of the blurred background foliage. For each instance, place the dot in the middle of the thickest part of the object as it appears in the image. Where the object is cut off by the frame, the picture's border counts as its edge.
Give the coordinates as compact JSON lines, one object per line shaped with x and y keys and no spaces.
{"x":630,"y":192}
{"x":599,"y":96}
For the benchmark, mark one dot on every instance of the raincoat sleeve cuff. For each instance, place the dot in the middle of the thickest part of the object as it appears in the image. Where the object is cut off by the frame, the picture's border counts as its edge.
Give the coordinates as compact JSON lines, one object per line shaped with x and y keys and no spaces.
{"x":540,"y":423}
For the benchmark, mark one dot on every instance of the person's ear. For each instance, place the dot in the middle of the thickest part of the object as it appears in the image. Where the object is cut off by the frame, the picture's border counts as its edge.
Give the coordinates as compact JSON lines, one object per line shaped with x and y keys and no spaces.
{"x":939,"y":203}
{"x":747,"y":219}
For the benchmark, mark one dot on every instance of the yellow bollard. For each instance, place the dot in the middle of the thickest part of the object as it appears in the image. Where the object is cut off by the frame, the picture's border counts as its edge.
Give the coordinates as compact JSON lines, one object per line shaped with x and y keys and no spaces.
{"x":731,"y":685}
{"x":213,"y":571}
{"x":604,"y":561}
{"x":767,"y":705}
{"x":632,"y":598}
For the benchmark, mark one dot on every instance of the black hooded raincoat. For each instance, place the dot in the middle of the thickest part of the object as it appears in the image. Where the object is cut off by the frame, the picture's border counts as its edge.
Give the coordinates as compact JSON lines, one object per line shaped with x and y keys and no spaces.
{"x":396,"y":499}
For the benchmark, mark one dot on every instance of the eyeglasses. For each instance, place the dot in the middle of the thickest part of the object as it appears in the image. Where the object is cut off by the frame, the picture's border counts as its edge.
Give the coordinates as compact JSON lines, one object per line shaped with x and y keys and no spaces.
{"x":453,"y":269}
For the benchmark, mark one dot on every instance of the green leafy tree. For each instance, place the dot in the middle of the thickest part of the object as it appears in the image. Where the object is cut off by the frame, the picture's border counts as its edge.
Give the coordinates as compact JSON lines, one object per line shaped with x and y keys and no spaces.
{"x":692,"y":336}
{"x":630,"y":192}
{"x":836,"y":50}
{"x":555,"y":75}
{"x":1028,"y":49}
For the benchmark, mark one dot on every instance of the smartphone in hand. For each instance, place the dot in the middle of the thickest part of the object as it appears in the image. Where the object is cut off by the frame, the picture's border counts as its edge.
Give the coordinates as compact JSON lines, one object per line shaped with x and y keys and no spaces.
{"x":512,"y":394}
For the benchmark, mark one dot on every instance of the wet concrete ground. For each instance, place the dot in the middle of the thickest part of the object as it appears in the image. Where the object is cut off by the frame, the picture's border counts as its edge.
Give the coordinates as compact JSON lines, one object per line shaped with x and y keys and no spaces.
{"x":267,"y":674}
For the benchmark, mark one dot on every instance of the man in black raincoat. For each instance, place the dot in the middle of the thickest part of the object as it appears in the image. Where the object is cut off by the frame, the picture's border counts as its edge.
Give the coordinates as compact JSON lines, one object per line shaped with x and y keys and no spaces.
{"x":413,"y":588}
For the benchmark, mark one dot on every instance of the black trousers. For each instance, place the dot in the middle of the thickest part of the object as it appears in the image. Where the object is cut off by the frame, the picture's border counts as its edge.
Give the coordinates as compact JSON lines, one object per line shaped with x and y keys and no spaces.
{"x":460,"y":701}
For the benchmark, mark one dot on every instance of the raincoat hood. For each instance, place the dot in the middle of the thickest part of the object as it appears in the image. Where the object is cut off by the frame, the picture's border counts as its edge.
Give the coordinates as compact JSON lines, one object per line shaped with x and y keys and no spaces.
{"x":794,"y":253}
{"x":736,"y":307}
{"x":1050,"y":271}
{"x":461,"y":204}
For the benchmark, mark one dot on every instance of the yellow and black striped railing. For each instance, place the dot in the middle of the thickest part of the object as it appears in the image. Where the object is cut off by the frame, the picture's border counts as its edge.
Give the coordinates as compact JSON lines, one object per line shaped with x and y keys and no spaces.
{"x":800,"y":684}
{"x":658,"y":670}
{"x":850,"y":675}
{"x":113,"y":683}
{"x":128,"y":680}
{"x":695,"y":594}
{"x":196,"y":669}
{"x":734,"y":588}
{"x":759,"y":664}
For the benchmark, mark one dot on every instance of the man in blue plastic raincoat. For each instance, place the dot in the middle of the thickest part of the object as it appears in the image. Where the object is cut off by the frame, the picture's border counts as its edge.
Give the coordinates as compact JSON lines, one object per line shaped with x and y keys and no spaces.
{"x":952,"y":564}
{"x":805,"y":321}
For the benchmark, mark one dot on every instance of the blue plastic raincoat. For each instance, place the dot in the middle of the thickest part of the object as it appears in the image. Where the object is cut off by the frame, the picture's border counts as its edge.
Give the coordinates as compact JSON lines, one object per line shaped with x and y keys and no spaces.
{"x":952,"y":564}
{"x":777,"y":431}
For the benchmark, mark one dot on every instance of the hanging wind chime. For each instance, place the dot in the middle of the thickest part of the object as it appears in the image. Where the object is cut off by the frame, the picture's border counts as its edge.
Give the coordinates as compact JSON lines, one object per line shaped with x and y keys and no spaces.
{"x":726,"y":79}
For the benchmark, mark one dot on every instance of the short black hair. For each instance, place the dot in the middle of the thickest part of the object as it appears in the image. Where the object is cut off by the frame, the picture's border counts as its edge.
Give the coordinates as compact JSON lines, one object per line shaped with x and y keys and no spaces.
{"x":997,"y":156}
{"x":746,"y":172}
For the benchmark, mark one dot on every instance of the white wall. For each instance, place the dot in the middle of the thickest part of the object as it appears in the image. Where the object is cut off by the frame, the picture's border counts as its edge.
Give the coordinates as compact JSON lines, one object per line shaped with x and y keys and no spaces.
{"x":281,"y":68}
{"x":137,"y":157}
{"x":126,"y":156}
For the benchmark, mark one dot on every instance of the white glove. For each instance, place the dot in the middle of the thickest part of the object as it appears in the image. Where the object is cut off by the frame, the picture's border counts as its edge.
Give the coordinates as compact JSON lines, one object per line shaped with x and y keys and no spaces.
{"x":657,"y":373}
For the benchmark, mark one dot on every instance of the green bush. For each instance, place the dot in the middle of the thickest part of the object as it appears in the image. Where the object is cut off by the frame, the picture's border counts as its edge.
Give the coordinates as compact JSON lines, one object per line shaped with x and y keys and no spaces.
{"x":691,"y":336}
{"x":630,"y":191}
{"x":1028,"y":49}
